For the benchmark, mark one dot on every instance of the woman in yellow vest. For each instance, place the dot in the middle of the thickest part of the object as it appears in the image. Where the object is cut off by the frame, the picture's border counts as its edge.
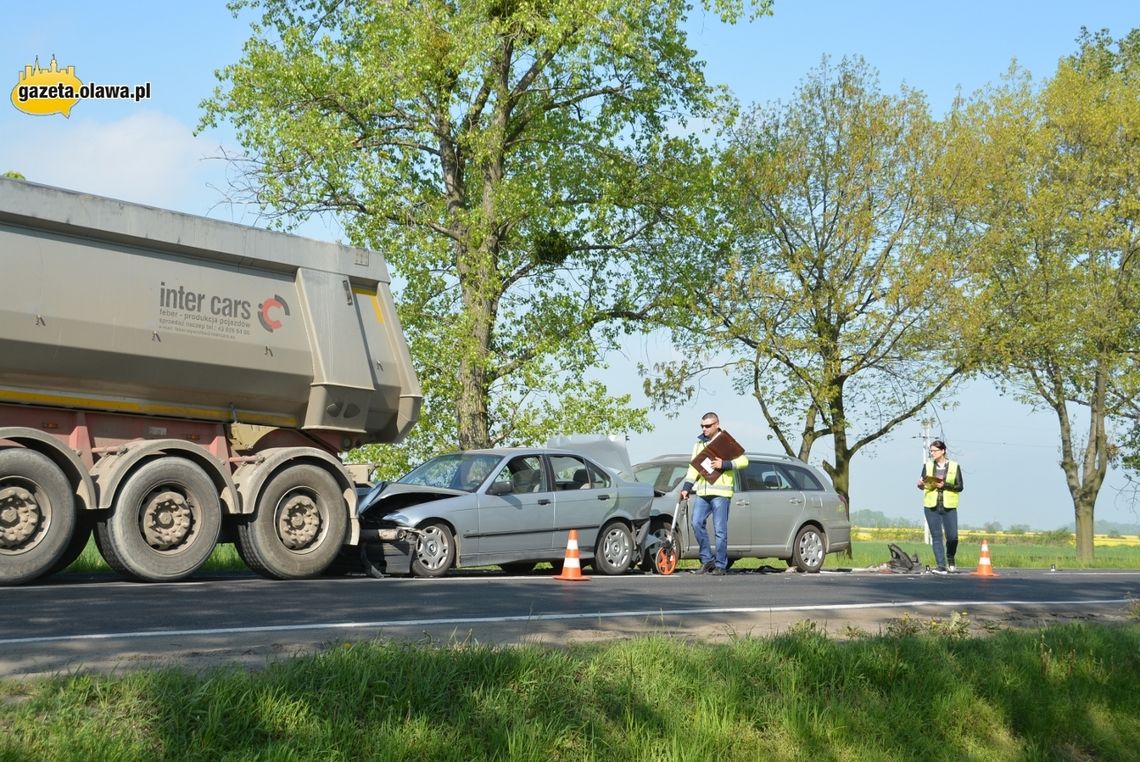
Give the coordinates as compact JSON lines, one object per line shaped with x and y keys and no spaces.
{"x":941,"y":481}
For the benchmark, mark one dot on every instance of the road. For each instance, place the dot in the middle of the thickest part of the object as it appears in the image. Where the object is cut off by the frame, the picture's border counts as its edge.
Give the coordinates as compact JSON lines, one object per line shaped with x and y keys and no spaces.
{"x":68,"y":624}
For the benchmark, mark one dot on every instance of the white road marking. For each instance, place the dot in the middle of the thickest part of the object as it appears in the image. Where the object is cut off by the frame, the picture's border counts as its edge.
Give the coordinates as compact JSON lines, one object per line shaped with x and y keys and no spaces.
{"x":456,"y":621}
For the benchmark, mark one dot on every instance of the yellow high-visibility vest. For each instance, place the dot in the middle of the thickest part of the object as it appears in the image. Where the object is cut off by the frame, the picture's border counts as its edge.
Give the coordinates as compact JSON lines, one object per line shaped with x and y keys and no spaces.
{"x":724,"y":486}
{"x":949,"y":498}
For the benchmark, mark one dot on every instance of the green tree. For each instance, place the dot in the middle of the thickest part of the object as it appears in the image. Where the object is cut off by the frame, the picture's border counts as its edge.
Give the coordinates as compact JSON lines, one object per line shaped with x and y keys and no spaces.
{"x":1054,"y":210}
{"x":518,"y":165}
{"x":825,"y":285}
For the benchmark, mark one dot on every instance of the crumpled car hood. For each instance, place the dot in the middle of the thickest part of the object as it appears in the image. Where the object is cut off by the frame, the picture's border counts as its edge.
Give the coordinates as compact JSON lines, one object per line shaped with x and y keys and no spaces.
{"x":395,"y":496}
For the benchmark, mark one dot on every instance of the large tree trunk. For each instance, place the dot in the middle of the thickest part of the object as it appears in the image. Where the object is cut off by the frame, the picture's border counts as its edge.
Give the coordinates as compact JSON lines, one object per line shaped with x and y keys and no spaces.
{"x":473,"y":425}
{"x":1084,"y":479}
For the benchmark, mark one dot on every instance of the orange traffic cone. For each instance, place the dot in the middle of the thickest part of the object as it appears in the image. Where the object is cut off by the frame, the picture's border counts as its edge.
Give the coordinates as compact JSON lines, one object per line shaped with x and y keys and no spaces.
{"x":571,"y":567}
{"x":985,"y":568}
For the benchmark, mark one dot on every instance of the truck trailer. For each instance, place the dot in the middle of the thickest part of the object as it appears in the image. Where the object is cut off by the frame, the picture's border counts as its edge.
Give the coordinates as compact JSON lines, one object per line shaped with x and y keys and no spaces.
{"x":170,"y":381}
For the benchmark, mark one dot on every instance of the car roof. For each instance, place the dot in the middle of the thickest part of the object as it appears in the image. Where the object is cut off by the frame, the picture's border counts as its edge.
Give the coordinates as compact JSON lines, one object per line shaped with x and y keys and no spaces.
{"x":686,"y":457}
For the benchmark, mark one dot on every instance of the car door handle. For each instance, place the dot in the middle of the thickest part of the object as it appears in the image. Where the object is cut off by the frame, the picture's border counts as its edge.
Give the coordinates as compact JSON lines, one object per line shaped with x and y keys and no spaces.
{"x":544,"y":501}
{"x":603,"y":497}
{"x":795,"y":500}
{"x":741,"y":503}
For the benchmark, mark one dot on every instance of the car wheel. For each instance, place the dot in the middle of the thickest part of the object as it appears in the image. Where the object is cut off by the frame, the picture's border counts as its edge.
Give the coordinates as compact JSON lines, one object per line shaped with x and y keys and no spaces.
{"x":435,"y":551}
{"x":518,"y":567}
{"x":809,"y":549}
{"x":653,"y":541}
{"x":613,"y":552}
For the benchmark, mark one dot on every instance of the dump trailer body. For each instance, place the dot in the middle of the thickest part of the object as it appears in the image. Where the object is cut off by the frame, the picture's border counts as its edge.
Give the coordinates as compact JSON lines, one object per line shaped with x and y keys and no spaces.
{"x":144,"y":326}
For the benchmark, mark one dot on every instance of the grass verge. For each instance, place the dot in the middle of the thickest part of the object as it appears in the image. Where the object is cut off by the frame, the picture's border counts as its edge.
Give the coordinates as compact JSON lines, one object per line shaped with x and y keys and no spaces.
{"x":1065,"y":692}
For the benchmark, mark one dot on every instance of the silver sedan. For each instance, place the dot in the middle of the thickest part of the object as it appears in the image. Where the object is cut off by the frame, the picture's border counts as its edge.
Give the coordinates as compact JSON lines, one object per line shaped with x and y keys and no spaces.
{"x":511,"y":507}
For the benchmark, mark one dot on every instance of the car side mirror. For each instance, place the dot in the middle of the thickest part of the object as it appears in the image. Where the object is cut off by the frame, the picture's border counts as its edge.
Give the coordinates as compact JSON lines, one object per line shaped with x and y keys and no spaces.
{"x":500,"y":488}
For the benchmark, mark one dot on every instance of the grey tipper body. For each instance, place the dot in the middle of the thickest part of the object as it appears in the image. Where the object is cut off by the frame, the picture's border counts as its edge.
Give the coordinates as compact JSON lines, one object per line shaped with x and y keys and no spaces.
{"x":168,"y":381}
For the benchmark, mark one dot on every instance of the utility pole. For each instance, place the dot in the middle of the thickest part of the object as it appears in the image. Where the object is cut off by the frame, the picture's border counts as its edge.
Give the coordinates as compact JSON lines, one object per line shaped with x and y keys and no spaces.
{"x":927,"y":427}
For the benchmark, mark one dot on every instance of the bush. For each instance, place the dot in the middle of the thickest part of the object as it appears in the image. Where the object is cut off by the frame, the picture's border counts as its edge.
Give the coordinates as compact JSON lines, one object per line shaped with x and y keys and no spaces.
{"x":1060,"y":536}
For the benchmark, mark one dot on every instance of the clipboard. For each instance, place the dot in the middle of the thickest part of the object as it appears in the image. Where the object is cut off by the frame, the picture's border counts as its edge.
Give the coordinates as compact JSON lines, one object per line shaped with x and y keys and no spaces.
{"x":722,"y":446}
{"x":930,"y":482}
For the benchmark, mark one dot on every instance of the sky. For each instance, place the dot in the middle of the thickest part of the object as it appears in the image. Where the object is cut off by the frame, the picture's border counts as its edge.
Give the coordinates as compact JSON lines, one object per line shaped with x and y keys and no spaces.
{"x":147,"y":152}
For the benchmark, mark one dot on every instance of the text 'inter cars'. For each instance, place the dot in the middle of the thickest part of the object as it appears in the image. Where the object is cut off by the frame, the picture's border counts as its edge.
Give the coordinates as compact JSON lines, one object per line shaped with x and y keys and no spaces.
{"x":511,"y":507}
{"x":783,"y":508}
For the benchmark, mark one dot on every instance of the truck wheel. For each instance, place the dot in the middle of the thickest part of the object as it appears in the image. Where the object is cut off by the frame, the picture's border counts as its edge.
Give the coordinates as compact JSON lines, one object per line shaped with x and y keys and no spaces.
{"x":164,"y":524}
{"x":37,"y":515}
{"x":84,"y":526}
{"x":298,"y":527}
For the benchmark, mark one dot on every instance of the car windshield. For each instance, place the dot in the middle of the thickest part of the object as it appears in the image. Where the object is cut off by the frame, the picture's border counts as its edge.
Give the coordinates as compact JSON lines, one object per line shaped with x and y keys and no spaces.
{"x":462,"y":470}
{"x":664,"y":476}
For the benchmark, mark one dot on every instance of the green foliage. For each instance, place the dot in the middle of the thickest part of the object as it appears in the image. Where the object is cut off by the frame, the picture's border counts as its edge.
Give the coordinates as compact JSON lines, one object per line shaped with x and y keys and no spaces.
{"x":12,"y":174}
{"x":923,"y":690}
{"x":517,"y":164}
{"x":1055,"y":537}
{"x":824,"y":267}
{"x":1051,"y":208}
{"x":868,"y":518}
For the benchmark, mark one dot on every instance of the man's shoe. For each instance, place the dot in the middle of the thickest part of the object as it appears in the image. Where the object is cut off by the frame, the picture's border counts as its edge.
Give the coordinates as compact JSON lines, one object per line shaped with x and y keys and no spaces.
{"x":717,"y":571}
{"x":939,"y":570}
{"x":953,"y":568}
{"x":705,"y":568}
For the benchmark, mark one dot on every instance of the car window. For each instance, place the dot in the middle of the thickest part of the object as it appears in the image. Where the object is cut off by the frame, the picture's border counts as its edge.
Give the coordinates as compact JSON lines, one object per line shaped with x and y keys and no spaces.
{"x":465,"y":471}
{"x":762,"y":475}
{"x":524,"y":474}
{"x":663,"y":476}
{"x":598,"y":477}
{"x":571,"y":472}
{"x":804,"y":479}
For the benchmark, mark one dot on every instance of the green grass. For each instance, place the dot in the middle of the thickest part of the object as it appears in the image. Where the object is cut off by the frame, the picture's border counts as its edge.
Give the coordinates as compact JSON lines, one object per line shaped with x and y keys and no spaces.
{"x":1064,"y":693}
{"x":1004,"y":552}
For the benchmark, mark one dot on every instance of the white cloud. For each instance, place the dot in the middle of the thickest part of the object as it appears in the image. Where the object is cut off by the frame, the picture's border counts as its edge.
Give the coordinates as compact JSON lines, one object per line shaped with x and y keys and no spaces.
{"x":147,"y":157}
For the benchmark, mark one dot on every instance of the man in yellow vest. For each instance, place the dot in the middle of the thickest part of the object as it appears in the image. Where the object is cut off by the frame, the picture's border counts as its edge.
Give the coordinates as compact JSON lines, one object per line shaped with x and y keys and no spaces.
{"x":711,"y":498}
{"x":940,"y":482}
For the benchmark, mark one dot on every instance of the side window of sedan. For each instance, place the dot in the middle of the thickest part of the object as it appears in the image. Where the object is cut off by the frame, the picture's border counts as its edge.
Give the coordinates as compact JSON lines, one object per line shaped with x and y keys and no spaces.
{"x":598,"y":479}
{"x":570,"y":472}
{"x":523,"y":475}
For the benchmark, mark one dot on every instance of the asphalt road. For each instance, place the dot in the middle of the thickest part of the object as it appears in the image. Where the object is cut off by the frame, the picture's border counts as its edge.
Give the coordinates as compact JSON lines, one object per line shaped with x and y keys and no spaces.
{"x":69,"y":624}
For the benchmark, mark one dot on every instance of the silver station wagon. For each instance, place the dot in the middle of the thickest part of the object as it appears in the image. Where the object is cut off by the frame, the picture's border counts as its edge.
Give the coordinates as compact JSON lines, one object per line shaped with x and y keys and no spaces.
{"x":511,"y":507}
{"x":783,"y":508}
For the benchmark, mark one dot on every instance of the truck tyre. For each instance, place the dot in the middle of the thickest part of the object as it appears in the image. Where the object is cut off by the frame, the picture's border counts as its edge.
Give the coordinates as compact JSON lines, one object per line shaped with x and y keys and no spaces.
{"x":164,"y":523}
{"x":298,"y":527}
{"x":37,"y":515}
{"x":84,"y":526}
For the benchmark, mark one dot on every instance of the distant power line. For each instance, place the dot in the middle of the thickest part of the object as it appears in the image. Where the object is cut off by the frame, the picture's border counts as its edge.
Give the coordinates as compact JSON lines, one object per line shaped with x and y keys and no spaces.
{"x":1052,"y":445}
